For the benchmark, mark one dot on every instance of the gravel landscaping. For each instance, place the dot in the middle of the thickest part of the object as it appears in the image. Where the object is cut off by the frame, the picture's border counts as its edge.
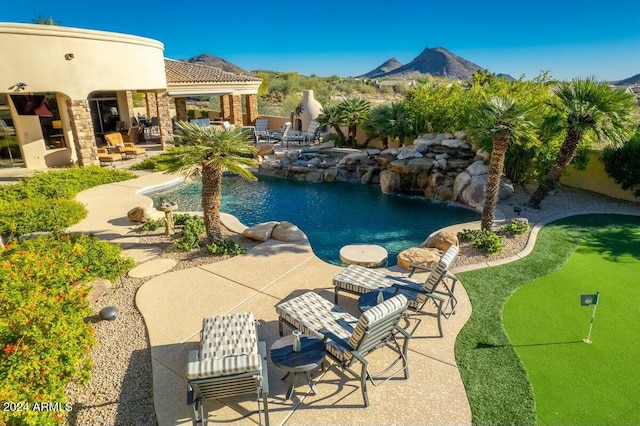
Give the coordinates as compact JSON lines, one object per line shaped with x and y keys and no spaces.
{"x":120,"y":389}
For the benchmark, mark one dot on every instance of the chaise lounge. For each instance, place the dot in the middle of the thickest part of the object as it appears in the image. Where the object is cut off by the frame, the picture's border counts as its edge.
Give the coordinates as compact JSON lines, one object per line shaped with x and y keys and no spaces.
{"x":349,"y":339}
{"x":438,"y":287}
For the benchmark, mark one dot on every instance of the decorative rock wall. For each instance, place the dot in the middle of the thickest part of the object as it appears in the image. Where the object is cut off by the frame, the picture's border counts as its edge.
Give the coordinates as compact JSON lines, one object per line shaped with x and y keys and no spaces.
{"x":440,"y":166}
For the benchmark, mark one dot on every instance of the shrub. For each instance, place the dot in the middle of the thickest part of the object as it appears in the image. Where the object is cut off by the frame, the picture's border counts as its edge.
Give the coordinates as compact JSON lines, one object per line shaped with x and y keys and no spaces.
{"x":151,"y":225}
{"x":223,"y":247}
{"x":44,"y":335}
{"x":623,"y":164}
{"x":516,"y":227}
{"x":190,"y":239}
{"x":39,"y":214}
{"x":481,"y":239}
{"x":181,"y":218}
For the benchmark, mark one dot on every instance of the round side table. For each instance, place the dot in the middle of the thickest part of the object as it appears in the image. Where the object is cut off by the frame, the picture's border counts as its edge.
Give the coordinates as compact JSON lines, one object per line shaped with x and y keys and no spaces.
{"x":308,"y":358}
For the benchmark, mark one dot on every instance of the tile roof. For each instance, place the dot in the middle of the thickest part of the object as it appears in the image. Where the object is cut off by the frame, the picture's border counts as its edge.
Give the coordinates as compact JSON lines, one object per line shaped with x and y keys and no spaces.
{"x":184,"y":72}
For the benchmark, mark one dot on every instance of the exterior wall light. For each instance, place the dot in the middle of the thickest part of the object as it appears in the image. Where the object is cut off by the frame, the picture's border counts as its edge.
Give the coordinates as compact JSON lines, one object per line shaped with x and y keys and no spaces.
{"x":69,"y":56}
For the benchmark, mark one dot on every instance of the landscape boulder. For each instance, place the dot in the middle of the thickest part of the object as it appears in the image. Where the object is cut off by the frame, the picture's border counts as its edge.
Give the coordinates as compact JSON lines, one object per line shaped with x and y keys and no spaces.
{"x":422,"y":256}
{"x":459,"y":184}
{"x":473,"y":194}
{"x":441,"y":240}
{"x":287,"y":231}
{"x":260,"y":232}
{"x":390,"y":182}
{"x":478,"y":168}
{"x":139,"y":214}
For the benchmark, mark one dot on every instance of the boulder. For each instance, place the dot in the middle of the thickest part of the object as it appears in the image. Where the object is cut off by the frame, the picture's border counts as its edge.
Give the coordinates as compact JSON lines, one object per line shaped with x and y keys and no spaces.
{"x":483,"y":154}
{"x":441,"y":240}
{"x":478,"y":168}
{"x":439,"y":138}
{"x":353,"y":158}
{"x":430,"y":192}
{"x":264,"y":149}
{"x":427,"y":257}
{"x":330,"y":174}
{"x":444,"y":156}
{"x":459,"y":184}
{"x":455,"y":143}
{"x":506,"y":188}
{"x":391,"y":151}
{"x":436,"y":179}
{"x":99,"y":286}
{"x":315,"y":161}
{"x":287,"y":231}
{"x":422,"y":179}
{"x":417,"y":165}
{"x":373,"y":151}
{"x":444,"y":193}
{"x":139,"y":214}
{"x":473,"y":194}
{"x":384,"y":159}
{"x":408,"y":152}
{"x":441,"y":164}
{"x":398,"y":166}
{"x":366,"y":178}
{"x":260,"y":232}
{"x":314,"y":176}
{"x":460,"y":135}
{"x":457,"y":164}
{"x":299,"y":169}
{"x":390,"y":182}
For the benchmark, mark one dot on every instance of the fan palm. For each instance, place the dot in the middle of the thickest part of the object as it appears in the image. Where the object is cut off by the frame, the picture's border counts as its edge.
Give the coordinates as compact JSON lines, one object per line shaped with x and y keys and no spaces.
{"x":401,"y":122}
{"x":503,"y":120}
{"x":377,"y":124}
{"x":589,"y":106}
{"x":330,"y":117}
{"x":207,"y":152}
{"x":353,"y":111}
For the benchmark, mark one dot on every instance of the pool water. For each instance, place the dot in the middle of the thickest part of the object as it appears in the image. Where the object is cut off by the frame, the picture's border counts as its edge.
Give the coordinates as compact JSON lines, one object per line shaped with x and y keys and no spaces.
{"x":332,"y":215}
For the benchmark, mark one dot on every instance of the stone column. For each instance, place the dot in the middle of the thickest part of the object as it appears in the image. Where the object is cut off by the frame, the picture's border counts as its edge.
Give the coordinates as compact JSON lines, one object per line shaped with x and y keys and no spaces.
{"x":236,"y":110}
{"x":252,"y":108}
{"x":225,"y":106}
{"x":130,"y":107}
{"x":152,"y":105}
{"x":82,"y":129}
{"x":164,"y":120}
{"x":181,"y":109}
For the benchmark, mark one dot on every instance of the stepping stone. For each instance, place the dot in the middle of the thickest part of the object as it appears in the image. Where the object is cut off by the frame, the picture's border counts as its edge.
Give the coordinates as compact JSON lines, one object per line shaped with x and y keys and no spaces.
{"x":152,"y":267}
{"x":140,"y":253}
{"x":367,"y":255}
{"x":126,"y":242}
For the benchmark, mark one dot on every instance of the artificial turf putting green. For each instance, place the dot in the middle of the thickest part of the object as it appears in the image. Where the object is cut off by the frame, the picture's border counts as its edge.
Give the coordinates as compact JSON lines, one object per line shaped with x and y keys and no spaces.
{"x":574,"y":382}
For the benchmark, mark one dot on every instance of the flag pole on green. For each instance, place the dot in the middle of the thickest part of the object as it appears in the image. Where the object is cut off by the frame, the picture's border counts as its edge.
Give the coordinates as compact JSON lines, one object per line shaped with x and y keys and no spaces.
{"x":589,"y":300}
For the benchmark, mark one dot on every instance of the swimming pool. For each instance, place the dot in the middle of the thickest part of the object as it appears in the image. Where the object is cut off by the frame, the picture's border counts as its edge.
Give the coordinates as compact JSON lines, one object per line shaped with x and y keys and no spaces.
{"x":332,"y":215}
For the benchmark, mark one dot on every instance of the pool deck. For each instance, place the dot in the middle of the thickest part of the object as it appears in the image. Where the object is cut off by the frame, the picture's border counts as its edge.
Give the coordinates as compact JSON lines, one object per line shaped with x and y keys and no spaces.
{"x":174,"y":303}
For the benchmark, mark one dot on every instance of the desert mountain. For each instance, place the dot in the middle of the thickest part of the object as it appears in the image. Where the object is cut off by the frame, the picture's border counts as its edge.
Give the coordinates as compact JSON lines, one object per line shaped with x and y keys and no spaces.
{"x":214,"y":61}
{"x":383,"y":69}
{"x":631,"y":81}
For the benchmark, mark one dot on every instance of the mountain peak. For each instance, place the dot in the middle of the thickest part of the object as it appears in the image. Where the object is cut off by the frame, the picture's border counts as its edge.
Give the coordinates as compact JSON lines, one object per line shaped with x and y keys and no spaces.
{"x":214,"y":61}
{"x":381,"y":70}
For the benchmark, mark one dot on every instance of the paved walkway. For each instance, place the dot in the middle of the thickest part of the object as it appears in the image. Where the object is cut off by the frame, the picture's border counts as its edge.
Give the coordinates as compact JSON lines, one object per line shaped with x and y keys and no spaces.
{"x":174,"y":303}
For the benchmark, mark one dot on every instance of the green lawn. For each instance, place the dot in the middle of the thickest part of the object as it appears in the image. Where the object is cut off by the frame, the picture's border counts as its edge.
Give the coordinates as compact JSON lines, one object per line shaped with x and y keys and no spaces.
{"x":573,"y":382}
{"x":497,"y":383}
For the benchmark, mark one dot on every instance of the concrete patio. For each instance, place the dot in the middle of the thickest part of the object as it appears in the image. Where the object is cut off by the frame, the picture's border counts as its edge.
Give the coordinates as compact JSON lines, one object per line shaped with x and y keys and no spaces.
{"x":174,"y":303}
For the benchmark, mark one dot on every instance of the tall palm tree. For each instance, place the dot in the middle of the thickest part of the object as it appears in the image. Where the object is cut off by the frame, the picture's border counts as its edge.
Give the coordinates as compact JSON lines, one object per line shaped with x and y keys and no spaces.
{"x":207,"y":152}
{"x":353,"y":111}
{"x":589,"y":106}
{"x":503,"y":120}
{"x":330,"y":117}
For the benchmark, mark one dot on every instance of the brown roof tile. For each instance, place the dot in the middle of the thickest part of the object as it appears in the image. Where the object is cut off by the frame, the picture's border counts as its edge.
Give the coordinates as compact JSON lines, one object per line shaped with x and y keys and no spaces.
{"x":185,"y":72}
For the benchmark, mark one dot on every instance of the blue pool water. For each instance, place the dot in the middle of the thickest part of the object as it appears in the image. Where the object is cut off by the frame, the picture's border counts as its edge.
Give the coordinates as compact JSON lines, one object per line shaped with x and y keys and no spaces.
{"x":332,"y":215}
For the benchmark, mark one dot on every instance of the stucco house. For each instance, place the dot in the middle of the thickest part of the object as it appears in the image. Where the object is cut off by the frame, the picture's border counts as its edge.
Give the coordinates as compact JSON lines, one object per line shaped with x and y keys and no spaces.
{"x":61,"y":88}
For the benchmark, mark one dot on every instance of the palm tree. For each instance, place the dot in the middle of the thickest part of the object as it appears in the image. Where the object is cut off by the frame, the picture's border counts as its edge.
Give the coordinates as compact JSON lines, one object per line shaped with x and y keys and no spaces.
{"x":353,"y":111}
{"x":330,"y":117}
{"x":377,"y":124}
{"x":45,"y":21}
{"x":589,"y":106}
{"x":503,"y":120}
{"x":401,"y":122}
{"x":207,"y":152}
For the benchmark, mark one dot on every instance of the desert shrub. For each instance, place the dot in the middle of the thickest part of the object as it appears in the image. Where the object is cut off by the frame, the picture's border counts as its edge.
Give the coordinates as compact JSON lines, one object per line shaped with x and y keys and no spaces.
{"x":181,"y":218}
{"x":151,"y":225}
{"x":44,"y":336}
{"x":515,"y":227}
{"x":623,"y":164}
{"x":39,"y":214}
{"x":190,"y":239}
{"x":481,"y":239}
{"x":64,"y":183}
{"x":223,"y":247}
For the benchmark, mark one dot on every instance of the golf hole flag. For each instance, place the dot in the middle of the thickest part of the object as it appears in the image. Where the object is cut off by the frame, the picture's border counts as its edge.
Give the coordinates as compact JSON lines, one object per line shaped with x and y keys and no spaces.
{"x":590,"y":300}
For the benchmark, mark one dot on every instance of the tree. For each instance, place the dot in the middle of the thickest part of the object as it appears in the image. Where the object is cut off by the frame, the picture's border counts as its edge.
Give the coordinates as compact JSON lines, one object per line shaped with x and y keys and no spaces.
{"x":352,"y":112}
{"x":503,"y":120}
{"x":330,"y":117}
{"x":207,"y":153}
{"x":587,"y":106}
{"x":401,"y":122}
{"x":41,"y":20}
{"x":623,"y":164}
{"x":377,"y":124}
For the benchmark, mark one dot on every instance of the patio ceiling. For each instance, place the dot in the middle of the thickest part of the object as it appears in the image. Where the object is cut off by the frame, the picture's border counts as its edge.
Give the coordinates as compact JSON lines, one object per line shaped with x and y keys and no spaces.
{"x":187,"y":79}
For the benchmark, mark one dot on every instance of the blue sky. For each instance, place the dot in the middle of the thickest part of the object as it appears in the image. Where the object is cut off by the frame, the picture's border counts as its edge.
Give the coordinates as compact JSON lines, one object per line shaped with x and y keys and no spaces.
{"x":568,"y":38}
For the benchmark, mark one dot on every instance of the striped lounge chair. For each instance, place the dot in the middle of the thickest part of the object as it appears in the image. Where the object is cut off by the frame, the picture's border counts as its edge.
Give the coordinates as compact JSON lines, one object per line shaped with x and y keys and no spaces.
{"x":349,"y":339}
{"x":231,"y":361}
{"x":438,"y":287}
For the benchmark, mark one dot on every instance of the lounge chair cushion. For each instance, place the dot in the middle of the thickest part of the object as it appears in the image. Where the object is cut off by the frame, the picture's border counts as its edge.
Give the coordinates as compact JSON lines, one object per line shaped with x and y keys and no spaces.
{"x":229,"y":345}
{"x":359,"y":280}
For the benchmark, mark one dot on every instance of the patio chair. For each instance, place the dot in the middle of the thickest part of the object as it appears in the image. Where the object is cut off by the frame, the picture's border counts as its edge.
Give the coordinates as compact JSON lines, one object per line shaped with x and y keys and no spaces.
{"x":230,"y":362}
{"x":311,"y":135}
{"x":227,"y":126}
{"x":359,"y":280}
{"x":126,"y":149}
{"x":349,"y":339}
{"x":282,"y":134}
{"x":105,"y":158}
{"x":262,"y":129}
